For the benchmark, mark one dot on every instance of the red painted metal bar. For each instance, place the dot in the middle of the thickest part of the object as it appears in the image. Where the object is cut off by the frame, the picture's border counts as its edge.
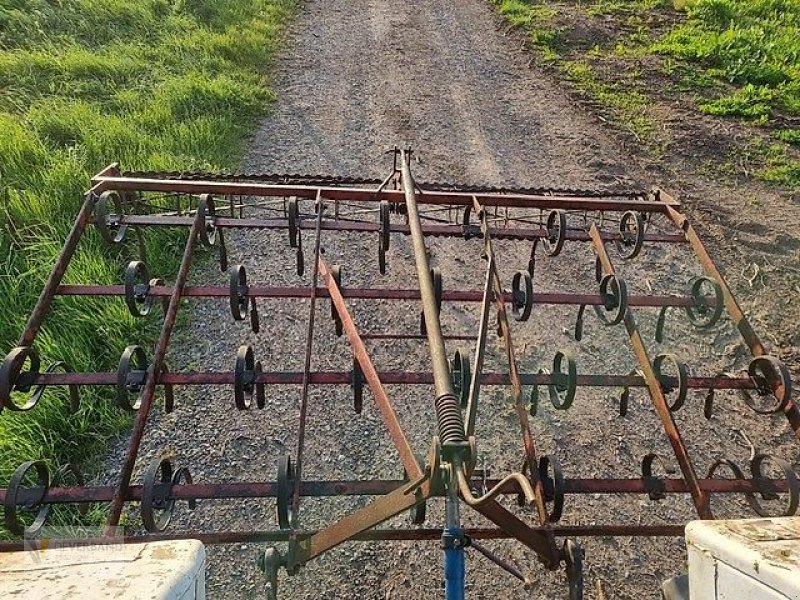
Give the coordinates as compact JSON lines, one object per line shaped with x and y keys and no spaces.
{"x":323,"y":489}
{"x":157,"y":367}
{"x":255,"y":291}
{"x":62,"y":262}
{"x":386,"y":377}
{"x":360,"y":353}
{"x":301,"y":435}
{"x":366,"y":195}
{"x":731,"y":305}
{"x":373,"y":535}
{"x":699,"y":496}
{"x":428,"y":229}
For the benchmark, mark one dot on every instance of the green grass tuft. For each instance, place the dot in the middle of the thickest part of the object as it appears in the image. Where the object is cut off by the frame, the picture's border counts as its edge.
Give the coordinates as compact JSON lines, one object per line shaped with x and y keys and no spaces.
{"x":737,"y":58}
{"x":153,"y":84}
{"x":752,"y":44}
{"x":790,"y":136}
{"x":628,"y":106}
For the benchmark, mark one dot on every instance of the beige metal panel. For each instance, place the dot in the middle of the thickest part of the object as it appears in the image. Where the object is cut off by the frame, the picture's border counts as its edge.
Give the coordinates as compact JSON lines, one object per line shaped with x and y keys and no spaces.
{"x":744,"y":559}
{"x":171,"y":570}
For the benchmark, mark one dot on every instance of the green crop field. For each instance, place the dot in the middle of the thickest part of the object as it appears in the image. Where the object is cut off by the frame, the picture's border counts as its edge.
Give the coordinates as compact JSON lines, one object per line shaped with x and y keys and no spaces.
{"x":753,"y":47}
{"x":738,"y":59}
{"x":152,"y":84}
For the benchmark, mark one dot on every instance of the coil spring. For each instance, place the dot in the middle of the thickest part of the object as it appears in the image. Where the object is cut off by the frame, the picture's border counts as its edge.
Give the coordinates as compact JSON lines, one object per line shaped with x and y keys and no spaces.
{"x":449,"y":420}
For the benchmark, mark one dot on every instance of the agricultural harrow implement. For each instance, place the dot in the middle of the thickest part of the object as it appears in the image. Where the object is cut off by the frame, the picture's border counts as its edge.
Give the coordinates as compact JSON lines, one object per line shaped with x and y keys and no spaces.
{"x":540,"y":223}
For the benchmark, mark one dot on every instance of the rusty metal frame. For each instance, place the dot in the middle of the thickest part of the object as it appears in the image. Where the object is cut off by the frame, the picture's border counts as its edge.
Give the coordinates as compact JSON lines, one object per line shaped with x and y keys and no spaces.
{"x":301,"y":435}
{"x":159,"y":355}
{"x":430,"y":210}
{"x":699,"y":497}
{"x":520,"y":408}
{"x":735,"y":312}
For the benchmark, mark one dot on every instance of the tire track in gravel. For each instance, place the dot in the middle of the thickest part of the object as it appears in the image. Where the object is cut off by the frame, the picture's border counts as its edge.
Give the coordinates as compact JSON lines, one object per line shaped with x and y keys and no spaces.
{"x":358,"y":77}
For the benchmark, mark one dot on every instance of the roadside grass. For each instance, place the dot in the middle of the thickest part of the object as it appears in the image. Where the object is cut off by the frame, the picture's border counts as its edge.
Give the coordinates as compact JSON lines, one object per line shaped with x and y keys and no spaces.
{"x":754,"y":45}
{"x":738,"y":58}
{"x":752,"y":49}
{"x":152,"y":84}
{"x":620,"y":99}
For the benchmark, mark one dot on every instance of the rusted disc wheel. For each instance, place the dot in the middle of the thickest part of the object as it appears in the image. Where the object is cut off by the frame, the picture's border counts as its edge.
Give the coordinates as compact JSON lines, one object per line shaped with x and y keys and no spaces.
{"x":183,"y":476}
{"x":614,"y":294}
{"x":631,"y":231}
{"x":336,"y":274}
{"x":261,"y":396}
{"x":169,"y":395}
{"x":470,"y":230}
{"x":239,"y":299}
{"x":107,"y":216}
{"x":39,"y":488}
{"x":767,"y":490}
{"x":73,"y":472}
{"x":556,"y":233}
{"x":15,"y":378}
{"x":385,"y":230}
{"x":656,"y":490}
{"x":562,"y":390}
{"x":578,"y":332}
{"x":552,"y":478}
{"x":285,"y":491}
{"x":701,"y":315}
{"x":244,"y":377}
{"x":624,"y":401}
{"x":383,"y":236}
{"x":416,"y":513}
{"x":293,"y":217}
{"x":773,"y":385}
{"x":208,"y":232}
{"x":678,"y":380}
{"x":661,"y":324}
{"x":157,"y":282}
{"x":522,"y":295}
{"x":462,"y":375}
{"x":598,"y":269}
{"x":132,"y":375}
{"x":223,"y":252}
{"x":254,"y":322}
{"x":74,"y":391}
{"x":735,"y":470}
{"x":573,"y":564}
{"x":436,"y":277}
{"x":270,"y":562}
{"x":534,"y":396}
{"x":157,"y":503}
{"x":625,"y":395}
{"x":357,"y":383}
{"x":300,"y":260}
{"x":137,"y":289}
{"x":708,"y":404}
{"x":382,"y":261}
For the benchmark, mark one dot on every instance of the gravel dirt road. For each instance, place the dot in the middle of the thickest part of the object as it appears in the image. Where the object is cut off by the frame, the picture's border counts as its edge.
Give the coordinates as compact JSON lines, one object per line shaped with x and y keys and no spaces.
{"x":358,"y":77}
